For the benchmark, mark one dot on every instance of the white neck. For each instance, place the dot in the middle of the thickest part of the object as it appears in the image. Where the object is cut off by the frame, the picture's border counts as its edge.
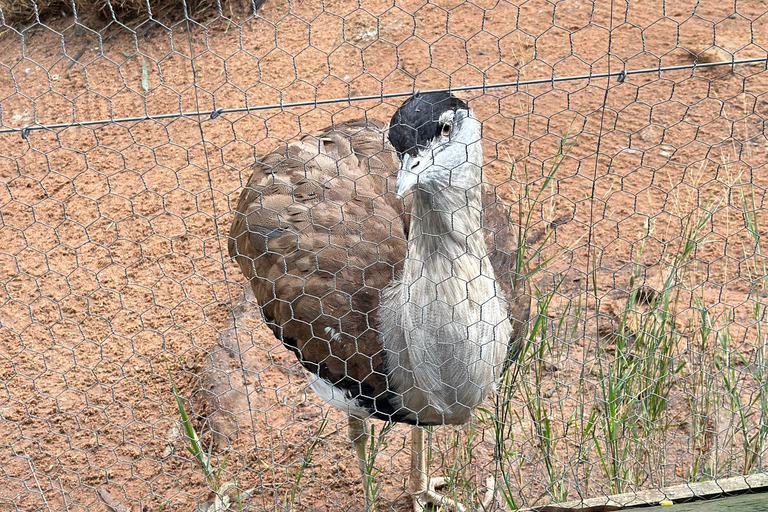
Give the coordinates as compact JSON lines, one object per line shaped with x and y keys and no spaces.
{"x":445,"y":321}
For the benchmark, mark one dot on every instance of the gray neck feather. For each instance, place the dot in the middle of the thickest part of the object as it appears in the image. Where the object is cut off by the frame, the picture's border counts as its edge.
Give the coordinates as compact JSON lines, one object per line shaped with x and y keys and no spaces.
{"x":443,"y":222}
{"x":446,"y":326}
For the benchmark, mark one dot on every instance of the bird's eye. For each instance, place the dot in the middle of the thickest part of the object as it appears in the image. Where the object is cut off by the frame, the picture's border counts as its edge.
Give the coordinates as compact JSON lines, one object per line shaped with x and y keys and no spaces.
{"x":445,"y":130}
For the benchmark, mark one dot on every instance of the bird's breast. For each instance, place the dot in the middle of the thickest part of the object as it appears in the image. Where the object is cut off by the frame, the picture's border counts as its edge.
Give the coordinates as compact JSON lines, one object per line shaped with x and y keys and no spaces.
{"x":445,"y":337}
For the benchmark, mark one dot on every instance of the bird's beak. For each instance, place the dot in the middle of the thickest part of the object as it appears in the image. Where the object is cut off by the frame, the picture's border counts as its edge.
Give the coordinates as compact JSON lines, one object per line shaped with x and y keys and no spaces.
{"x":406,"y":178}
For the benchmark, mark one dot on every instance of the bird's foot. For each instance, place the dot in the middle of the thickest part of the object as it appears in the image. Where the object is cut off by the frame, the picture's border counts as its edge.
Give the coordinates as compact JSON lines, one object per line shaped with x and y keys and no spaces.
{"x":431,"y":497}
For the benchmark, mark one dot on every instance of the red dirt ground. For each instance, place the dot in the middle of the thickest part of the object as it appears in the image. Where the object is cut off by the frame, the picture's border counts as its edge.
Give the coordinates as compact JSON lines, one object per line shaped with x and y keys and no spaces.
{"x":113,"y":257}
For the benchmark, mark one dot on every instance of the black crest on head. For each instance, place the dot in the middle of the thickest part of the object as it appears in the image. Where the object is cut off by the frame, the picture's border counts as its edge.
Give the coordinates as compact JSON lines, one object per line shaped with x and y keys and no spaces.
{"x":416,"y":122}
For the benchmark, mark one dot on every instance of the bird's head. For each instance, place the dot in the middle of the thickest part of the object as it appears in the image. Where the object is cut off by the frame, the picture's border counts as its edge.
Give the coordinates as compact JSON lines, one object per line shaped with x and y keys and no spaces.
{"x":437,"y":139}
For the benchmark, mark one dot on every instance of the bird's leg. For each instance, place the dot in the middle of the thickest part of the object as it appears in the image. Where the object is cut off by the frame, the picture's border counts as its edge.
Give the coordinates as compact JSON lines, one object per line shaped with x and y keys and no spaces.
{"x":417,"y":483}
{"x":421,"y":486}
{"x":490,"y":493}
{"x":358,"y":435}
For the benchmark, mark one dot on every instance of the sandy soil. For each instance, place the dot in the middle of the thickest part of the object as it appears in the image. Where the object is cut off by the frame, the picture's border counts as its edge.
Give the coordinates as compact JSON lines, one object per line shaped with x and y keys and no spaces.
{"x":113,"y":267}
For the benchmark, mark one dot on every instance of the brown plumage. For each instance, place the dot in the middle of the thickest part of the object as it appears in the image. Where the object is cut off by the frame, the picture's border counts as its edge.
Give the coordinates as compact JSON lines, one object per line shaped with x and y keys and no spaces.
{"x":319,"y":233}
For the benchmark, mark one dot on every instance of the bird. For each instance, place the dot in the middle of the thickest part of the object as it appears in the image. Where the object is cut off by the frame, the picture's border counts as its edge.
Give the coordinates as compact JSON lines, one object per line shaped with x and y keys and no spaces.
{"x":380,"y":257}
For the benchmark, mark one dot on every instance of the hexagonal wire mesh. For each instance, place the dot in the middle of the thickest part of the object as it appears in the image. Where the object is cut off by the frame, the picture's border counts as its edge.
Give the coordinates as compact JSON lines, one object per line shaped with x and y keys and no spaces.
{"x":640,"y":196}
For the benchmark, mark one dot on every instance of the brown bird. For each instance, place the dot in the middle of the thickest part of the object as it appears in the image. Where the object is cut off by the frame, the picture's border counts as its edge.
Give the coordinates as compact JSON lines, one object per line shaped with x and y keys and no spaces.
{"x":389,"y":268}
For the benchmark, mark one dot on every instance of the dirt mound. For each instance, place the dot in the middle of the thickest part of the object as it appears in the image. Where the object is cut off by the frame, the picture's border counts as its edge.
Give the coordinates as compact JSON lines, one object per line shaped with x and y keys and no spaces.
{"x":18,"y":13}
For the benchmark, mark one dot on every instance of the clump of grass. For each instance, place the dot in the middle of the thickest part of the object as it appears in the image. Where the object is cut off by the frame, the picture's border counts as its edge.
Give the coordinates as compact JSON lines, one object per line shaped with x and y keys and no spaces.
{"x":460,"y":468}
{"x":636,"y":381}
{"x":701,"y":398}
{"x":729,"y":377}
{"x":757,"y":271}
{"x":211,"y":472}
{"x":743,"y":377}
{"x":378,"y":442}
{"x":539,"y":388}
{"x":306,"y":462}
{"x":544,"y":418}
{"x":506,"y":468}
{"x":505,"y":417}
{"x":616,"y":427}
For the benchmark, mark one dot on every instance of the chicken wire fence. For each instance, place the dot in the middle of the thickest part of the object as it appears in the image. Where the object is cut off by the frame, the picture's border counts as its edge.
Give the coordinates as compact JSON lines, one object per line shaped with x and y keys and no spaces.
{"x":629,"y":138}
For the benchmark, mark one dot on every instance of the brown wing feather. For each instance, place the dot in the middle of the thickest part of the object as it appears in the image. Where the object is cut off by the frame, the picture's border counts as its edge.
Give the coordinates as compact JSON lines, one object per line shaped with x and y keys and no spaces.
{"x":318,"y":232}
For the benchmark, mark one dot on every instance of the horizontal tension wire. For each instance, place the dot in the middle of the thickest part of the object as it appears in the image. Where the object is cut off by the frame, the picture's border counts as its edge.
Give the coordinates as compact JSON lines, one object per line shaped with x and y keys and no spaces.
{"x":212,"y":114}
